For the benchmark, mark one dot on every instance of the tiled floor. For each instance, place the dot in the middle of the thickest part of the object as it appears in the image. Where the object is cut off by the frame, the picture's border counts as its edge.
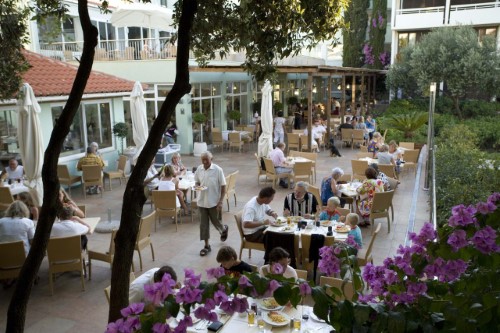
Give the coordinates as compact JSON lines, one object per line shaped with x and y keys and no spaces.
{"x":71,"y":310}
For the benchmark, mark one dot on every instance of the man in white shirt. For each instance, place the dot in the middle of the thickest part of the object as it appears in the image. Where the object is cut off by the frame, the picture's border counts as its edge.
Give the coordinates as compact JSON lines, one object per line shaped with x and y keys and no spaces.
{"x":211,"y":177}
{"x":14,"y":171}
{"x":277,"y":156}
{"x":253,"y":219}
{"x":70,"y":225}
{"x":136,"y":290}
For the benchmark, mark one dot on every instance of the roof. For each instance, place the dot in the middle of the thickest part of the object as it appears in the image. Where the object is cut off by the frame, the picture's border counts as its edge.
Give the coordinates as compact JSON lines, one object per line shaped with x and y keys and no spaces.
{"x":50,"y":77}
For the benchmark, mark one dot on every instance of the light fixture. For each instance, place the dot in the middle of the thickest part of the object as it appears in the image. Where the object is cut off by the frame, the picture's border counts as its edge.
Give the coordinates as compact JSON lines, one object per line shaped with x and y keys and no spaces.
{"x":339,"y":87}
{"x":315,"y":90}
{"x":348,"y":86}
{"x":296,"y":92}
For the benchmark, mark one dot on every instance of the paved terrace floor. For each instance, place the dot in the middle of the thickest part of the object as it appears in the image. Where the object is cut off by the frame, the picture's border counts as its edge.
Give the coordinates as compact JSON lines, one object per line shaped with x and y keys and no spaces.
{"x":71,"y":310}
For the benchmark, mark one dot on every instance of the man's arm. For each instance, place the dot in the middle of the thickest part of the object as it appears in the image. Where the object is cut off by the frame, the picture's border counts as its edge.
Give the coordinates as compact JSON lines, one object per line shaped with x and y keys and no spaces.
{"x":249,"y":220}
{"x":221,"y":199}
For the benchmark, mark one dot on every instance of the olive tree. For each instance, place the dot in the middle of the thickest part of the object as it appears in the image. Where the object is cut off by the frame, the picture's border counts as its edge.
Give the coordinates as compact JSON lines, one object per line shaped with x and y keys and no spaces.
{"x":266,"y":31}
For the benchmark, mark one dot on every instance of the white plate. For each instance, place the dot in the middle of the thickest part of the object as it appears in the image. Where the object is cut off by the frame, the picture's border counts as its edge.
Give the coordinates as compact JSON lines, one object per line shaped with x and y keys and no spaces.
{"x":287,"y":230}
{"x":315,"y":318}
{"x":199,"y":188}
{"x":263,"y":307}
{"x":268,"y":320}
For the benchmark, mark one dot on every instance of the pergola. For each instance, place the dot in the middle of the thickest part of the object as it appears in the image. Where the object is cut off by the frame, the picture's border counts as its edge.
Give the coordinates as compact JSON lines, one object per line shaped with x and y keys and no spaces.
{"x":367,"y":83}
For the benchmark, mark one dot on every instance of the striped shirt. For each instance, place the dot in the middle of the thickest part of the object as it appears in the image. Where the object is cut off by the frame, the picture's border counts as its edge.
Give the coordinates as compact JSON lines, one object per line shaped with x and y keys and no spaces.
{"x":307,"y":206}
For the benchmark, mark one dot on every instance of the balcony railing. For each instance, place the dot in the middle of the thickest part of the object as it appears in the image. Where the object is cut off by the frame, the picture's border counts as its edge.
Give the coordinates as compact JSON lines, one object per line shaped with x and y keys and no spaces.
{"x":476,"y":6}
{"x":439,"y":9}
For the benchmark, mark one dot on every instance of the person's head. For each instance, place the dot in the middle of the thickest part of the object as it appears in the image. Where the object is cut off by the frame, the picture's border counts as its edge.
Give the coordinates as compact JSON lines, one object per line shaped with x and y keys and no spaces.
{"x":162,"y":271}
{"x":348,"y":119}
{"x":375,"y":167}
{"x":227,"y":257}
{"x":168,"y":171}
{"x":281,"y":146}
{"x":206,"y":159}
{"x":66,"y":213}
{"x":26,"y":198}
{"x":371,"y":173}
{"x":377,"y":136}
{"x":95,"y":145}
{"x":383,"y":148}
{"x":17,"y":209}
{"x":393,"y":146}
{"x":266,"y":195}
{"x":176,"y":158}
{"x":300,"y":190}
{"x":279,"y":256}
{"x":332,"y":203}
{"x":63,"y":196}
{"x":13,"y":164}
{"x":280,"y":113}
{"x":337,"y":173}
{"x":317,"y":122}
{"x":352,"y":219}
{"x":368,"y":117}
{"x":90,"y":150}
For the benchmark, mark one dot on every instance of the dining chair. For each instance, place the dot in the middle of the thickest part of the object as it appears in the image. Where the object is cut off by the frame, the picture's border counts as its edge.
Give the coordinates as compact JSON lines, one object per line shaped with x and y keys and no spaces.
{"x":358,"y":136}
{"x":65,"y":178}
{"x":363,"y":154}
{"x":364,"y":255}
{"x":345,"y":286}
{"x":65,"y":255}
{"x":144,"y":237}
{"x":91,"y":176}
{"x":6,"y":198}
{"x":215,"y":129}
{"x":304,"y":143}
{"x":301,"y":274}
{"x":239,"y":128}
{"x":218,"y":140}
{"x":313,"y":157}
{"x":119,"y":173}
{"x":103,"y":256}
{"x":363,"y":149}
{"x":271,"y":173}
{"x":302,"y":171}
{"x":250,"y":131}
{"x":317,"y":194}
{"x":411,"y":160}
{"x":343,"y":211}
{"x":407,"y":145}
{"x":231,"y":188}
{"x":107,"y":290}
{"x":165,"y":203}
{"x":358,"y":169}
{"x":235,"y":141}
{"x":260,"y":171}
{"x":346,"y":135}
{"x":12,"y":256}
{"x":306,"y":240}
{"x":293,"y":141}
{"x":244,"y":243}
{"x":193,"y":205}
{"x":388,"y":169}
{"x":288,"y":241}
{"x":346,"y":177}
{"x":380,"y":207}
{"x":394,"y":183}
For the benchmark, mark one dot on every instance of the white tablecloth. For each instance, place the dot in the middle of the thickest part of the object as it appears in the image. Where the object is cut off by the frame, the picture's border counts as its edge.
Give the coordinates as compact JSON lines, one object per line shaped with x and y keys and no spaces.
{"x":243,"y":134}
{"x":16,"y":188}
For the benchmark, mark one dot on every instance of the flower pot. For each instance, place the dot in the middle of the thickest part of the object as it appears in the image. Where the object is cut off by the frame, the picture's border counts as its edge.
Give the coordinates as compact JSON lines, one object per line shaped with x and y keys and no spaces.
{"x":199,"y":148}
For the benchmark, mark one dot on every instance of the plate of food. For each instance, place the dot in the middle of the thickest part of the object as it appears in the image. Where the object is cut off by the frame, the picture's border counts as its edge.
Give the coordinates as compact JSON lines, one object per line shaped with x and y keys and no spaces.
{"x":315,"y":318}
{"x":287,"y":229}
{"x":280,"y":221}
{"x":342,"y":229}
{"x":270,"y":304}
{"x":325,"y":223}
{"x":276,"y":318}
{"x":199,"y":188}
{"x":295,"y":219}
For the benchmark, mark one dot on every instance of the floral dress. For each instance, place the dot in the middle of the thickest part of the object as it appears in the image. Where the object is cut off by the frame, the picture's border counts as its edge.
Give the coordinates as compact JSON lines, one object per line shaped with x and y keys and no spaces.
{"x":367,"y":191}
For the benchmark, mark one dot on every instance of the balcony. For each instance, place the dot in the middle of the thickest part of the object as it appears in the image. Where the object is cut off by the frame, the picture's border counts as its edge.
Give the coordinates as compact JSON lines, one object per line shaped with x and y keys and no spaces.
{"x":419,"y":18}
{"x":481,"y":13}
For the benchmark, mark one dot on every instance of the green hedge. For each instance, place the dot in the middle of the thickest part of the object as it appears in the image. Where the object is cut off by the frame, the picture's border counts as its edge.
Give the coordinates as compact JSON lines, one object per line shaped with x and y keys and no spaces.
{"x":487,"y":130}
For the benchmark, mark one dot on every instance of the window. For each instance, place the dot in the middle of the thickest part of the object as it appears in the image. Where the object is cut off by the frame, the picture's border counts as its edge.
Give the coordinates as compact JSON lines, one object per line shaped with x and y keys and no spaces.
{"x":8,"y":132}
{"x":483,"y":32}
{"x":409,"y":38}
{"x":92,"y":123}
{"x":207,"y":100}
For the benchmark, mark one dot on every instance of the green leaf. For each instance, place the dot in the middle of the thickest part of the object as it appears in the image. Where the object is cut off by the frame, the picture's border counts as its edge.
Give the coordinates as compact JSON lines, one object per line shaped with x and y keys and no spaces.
{"x":396,"y":322}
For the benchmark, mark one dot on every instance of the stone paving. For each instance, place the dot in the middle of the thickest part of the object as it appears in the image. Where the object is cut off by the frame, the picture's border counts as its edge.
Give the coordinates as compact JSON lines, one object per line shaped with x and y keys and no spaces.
{"x":71,"y":310}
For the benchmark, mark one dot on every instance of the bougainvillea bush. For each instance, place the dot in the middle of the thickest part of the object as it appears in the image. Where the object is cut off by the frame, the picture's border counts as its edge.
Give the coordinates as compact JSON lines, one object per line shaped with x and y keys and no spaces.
{"x":447,"y":280}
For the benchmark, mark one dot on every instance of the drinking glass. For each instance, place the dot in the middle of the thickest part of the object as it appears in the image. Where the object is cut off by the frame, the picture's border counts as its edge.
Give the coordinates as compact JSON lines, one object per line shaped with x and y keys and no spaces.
{"x":297,"y":324}
{"x":260,"y":322}
{"x":251,"y":318}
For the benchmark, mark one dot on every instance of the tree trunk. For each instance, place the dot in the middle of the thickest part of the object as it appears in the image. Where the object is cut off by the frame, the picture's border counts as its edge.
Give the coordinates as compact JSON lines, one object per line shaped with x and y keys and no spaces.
{"x":133,"y":198}
{"x":16,"y":314}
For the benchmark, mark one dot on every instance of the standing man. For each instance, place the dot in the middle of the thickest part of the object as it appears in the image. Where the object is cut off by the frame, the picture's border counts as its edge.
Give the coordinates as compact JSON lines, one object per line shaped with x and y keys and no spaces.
{"x":300,"y":202}
{"x":278,"y":158}
{"x":211,"y":176}
{"x":253,"y":219}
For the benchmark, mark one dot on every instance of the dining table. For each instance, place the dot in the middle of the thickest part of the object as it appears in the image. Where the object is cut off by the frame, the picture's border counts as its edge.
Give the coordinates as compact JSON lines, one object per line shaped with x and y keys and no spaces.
{"x":310,"y":229}
{"x":16,"y":187}
{"x":238,"y":322}
{"x":92,"y":222}
{"x":350,"y":190}
{"x":244,"y":135}
{"x":291,"y":160}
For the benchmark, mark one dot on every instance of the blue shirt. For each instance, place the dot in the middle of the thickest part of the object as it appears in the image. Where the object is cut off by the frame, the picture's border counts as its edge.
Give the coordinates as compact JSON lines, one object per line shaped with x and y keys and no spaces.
{"x":326,"y":216}
{"x":356,"y":233}
{"x":326,"y":190}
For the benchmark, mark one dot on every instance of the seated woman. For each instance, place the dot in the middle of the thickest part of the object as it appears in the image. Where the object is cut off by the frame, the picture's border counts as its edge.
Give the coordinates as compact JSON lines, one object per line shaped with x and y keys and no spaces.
{"x":278,"y":264}
{"x":330,"y":212}
{"x":28,"y":201}
{"x":366,"y":191}
{"x":384,"y":157}
{"x":68,"y":202}
{"x":382,"y":176}
{"x":329,"y":186}
{"x":375,"y":143}
{"x":15,"y":225}
{"x":397,"y":154}
{"x":179,"y":168}
{"x":168,"y":182}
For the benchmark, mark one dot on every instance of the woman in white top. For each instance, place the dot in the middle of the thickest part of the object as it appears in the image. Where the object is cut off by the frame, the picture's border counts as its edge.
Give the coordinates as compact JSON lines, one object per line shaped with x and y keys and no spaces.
{"x":69,"y":225}
{"x":278,"y":264}
{"x":279,"y":129}
{"x":168,"y":182}
{"x":16,"y":226}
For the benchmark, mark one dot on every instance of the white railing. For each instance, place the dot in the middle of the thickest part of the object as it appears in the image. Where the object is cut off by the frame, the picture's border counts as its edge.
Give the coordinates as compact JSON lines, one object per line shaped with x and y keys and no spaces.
{"x":486,"y":5}
{"x":439,"y":9}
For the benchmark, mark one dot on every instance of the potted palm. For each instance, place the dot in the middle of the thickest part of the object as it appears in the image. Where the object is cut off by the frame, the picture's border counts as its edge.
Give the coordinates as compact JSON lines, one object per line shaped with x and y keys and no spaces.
{"x":199,"y":147}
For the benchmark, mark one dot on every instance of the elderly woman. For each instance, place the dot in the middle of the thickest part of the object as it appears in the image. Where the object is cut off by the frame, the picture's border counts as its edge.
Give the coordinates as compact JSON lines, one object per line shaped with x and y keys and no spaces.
{"x":330,"y":212}
{"x":179,"y":168}
{"x":382,"y":176}
{"x":367,"y":190}
{"x":15,"y":225}
{"x":329,"y":186}
{"x":383,"y":155}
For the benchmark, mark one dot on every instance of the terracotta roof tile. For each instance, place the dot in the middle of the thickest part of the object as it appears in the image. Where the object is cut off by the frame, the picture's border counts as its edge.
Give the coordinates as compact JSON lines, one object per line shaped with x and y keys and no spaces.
{"x":50,"y":77}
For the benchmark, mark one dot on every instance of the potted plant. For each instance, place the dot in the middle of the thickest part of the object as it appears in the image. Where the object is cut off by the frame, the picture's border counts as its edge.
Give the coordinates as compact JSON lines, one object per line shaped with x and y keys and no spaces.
{"x":234,"y":115}
{"x":120,"y":130}
{"x":277,"y":106}
{"x":199,"y":147}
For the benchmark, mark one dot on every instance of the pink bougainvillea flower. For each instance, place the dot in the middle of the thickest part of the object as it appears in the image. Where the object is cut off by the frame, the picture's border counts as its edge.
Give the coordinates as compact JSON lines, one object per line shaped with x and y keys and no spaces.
{"x":457,"y":240}
{"x":132,"y":309}
{"x":486,"y":207}
{"x":161,"y":328}
{"x":215,"y":273}
{"x":484,"y":240}
{"x":304,"y":289}
{"x":276,"y":268}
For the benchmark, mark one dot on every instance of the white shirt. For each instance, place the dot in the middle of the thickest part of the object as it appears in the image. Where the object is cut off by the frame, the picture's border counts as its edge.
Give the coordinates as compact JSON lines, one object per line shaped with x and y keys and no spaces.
{"x":317,"y":131}
{"x":15,"y":174}
{"x":151,"y":173}
{"x":16,"y":229}
{"x":67,"y":228}
{"x":136,"y":290}
{"x":168,"y":185}
{"x":277,"y":157}
{"x":278,"y":124}
{"x":253,"y":212}
{"x":289,"y":271}
{"x":213,"y":178}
